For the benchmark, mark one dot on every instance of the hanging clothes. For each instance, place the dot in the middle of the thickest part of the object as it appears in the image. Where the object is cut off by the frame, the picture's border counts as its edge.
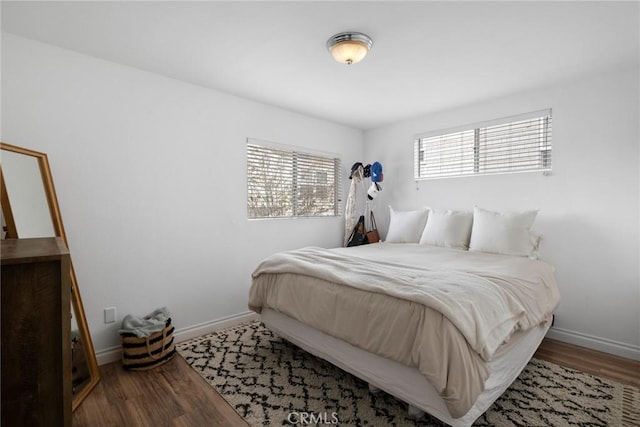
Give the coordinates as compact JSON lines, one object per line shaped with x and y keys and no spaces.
{"x":351,"y":209}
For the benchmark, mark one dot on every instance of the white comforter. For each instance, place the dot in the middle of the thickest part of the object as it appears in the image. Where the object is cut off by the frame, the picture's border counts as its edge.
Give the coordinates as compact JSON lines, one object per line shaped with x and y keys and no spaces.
{"x":486,"y":297}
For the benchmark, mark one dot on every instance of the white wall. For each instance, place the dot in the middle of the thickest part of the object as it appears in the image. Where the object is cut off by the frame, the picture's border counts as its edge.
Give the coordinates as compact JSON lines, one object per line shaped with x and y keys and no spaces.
{"x":150,"y":176}
{"x":589,"y":206}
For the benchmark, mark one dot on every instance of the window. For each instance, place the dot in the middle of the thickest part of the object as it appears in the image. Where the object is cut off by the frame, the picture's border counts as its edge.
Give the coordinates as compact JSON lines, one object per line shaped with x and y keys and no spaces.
{"x":513,"y":144}
{"x":283,"y":182}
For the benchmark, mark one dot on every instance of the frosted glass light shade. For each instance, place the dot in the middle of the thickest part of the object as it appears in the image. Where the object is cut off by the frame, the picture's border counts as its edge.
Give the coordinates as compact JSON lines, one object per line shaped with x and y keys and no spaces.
{"x":349,"y":47}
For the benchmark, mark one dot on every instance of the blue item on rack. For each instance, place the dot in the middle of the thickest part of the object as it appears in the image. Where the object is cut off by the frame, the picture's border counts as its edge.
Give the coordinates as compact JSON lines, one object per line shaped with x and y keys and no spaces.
{"x":376,"y":172}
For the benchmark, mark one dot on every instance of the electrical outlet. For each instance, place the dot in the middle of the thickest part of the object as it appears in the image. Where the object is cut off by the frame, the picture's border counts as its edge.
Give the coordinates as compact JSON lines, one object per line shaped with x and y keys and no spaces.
{"x":109,"y":315}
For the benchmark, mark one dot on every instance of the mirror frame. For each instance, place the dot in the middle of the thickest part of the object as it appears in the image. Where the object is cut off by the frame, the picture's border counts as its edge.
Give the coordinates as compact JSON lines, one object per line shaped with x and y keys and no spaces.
{"x":58,"y":227}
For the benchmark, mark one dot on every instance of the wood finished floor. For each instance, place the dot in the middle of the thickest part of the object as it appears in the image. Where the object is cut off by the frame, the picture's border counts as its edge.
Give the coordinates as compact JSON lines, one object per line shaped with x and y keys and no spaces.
{"x":605,"y":365}
{"x":175,"y":395}
{"x":170,"y":395}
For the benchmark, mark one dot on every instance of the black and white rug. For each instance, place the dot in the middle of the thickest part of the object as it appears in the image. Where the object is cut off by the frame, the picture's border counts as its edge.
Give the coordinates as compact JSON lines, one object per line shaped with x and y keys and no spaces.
{"x":271,"y":382}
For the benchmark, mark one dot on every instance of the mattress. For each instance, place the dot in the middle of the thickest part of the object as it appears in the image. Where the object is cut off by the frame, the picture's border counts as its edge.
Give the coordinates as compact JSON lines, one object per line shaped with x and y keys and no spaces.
{"x":404,"y":382}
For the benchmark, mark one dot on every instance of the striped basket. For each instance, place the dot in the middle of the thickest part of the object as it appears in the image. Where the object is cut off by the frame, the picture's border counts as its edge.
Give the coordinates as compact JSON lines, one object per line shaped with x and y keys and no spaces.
{"x":139,"y":354}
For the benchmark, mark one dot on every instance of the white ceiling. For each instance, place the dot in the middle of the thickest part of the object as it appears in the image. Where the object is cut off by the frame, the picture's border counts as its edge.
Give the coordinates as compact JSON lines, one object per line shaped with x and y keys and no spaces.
{"x":426,"y":56}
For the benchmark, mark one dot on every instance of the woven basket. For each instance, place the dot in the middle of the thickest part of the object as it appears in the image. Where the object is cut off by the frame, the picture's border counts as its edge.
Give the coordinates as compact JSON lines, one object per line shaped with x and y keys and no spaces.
{"x":139,"y":354}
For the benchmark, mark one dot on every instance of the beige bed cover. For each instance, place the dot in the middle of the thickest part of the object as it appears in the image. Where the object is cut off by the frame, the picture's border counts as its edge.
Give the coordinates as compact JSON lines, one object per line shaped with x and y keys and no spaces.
{"x":443,"y":311}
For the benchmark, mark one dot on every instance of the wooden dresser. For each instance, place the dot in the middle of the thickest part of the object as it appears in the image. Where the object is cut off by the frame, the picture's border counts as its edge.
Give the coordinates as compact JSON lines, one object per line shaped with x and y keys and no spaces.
{"x":35,"y":333}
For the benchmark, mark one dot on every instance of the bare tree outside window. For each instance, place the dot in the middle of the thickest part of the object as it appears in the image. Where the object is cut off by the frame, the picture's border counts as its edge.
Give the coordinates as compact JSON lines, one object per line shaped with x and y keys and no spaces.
{"x":285,"y":183}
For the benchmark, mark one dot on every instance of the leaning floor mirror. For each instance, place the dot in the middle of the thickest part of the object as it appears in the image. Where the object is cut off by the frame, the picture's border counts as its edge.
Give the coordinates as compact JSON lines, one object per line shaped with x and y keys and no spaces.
{"x":30,"y":209}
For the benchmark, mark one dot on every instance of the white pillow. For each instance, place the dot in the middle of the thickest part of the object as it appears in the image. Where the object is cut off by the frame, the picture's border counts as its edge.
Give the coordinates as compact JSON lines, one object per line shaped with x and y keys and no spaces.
{"x":504,"y":233}
{"x":407,"y":226}
{"x":447,"y":228}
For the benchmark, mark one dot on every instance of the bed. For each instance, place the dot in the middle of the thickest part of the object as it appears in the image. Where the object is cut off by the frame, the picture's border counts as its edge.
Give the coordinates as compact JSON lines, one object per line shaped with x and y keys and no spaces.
{"x":443,"y":329}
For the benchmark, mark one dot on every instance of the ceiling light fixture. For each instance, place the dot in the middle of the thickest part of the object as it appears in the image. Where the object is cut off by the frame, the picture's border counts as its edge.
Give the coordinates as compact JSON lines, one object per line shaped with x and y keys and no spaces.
{"x":349,"y":47}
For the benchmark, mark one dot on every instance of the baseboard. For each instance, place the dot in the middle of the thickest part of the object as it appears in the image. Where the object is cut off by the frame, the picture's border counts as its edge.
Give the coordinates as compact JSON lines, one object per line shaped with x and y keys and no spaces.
{"x":114,"y":354}
{"x":595,"y":343}
{"x":189,"y":332}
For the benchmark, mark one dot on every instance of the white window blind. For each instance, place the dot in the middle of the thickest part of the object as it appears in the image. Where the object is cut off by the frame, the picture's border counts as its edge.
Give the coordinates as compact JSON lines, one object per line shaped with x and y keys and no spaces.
{"x":514,"y":144}
{"x":283,"y":182}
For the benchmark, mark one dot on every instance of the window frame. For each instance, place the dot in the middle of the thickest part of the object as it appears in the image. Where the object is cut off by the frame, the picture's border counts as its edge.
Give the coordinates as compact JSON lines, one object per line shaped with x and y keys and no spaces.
{"x":298,"y":179}
{"x":475,"y":157}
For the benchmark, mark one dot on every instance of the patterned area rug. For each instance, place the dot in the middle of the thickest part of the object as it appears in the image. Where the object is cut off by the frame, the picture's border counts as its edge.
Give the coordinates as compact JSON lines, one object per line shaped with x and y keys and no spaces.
{"x":266,"y":379}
